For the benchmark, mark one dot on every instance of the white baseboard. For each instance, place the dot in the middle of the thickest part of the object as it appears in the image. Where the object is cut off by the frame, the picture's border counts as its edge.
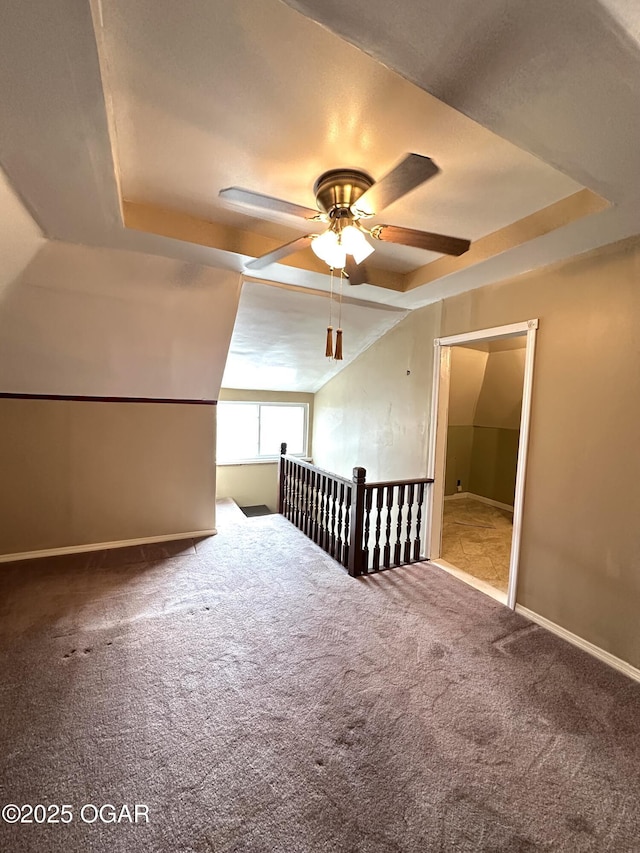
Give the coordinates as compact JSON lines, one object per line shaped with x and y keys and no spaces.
{"x":103,"y":546}
{"x":477,"y":583}
{"x":481,"y":498}
{"x":585,"y":645}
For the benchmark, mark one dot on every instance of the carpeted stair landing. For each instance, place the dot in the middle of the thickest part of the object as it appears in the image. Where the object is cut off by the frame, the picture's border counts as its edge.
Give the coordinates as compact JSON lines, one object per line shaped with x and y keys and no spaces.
{"x":257,"y":699}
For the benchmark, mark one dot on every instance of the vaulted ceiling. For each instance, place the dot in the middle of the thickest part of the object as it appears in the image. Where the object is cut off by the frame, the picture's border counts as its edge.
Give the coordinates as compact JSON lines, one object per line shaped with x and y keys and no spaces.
{"x":122,"y":121}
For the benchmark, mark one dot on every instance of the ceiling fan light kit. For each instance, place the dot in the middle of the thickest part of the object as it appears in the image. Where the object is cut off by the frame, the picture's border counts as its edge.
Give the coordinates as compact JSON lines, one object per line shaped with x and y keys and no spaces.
{"x":344,"y":197}
{"x":345,"y":236}
{"x":327,"y":247}
{"x":355,"y":243}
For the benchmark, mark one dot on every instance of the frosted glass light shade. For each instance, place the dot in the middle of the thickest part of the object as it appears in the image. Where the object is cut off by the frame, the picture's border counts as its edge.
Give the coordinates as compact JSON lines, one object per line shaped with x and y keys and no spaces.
{"x":337,"y":257}
{"x":355,"y":243}
{"x":327,"y":247}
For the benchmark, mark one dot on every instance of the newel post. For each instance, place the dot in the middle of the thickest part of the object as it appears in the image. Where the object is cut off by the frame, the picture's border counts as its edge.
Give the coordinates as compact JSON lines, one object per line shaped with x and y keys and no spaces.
{"x":356,"y":522}
{"x":281,"y":477}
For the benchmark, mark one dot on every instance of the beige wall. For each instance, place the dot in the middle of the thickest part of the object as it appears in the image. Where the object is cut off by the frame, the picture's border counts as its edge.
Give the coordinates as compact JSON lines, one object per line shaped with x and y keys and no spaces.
{"x":375,"y":413}
{"x":458,"y":462}
{"x":485,"y":400}
{"x":84,"y":321}
{"x":493,"y":464}
{"x":496,"y":431}
{"x":76,"y":473}
{"x":467,"y":375}
{"x":249,"y":485}
{"x":254,"y":484}
{"x":580,"y":547}
{"x":500,"y":398}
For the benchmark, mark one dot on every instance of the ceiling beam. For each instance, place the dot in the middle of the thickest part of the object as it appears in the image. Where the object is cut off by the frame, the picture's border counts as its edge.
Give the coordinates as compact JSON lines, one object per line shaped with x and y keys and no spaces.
{"x":164,"y":222}
{"x":556,"y":215}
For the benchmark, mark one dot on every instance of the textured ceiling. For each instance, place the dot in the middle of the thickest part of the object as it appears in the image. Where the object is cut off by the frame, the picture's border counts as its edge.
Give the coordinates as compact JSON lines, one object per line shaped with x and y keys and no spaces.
{"x":253,"y":94}
{"x":560,"y":80}
{"x":20,"y":237}
{"x":265,"y":355}
{"x":520,"y":103}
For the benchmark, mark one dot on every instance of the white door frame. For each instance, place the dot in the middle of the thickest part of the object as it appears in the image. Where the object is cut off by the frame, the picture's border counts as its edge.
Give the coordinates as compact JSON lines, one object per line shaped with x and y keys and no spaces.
{"x":438,"y":436}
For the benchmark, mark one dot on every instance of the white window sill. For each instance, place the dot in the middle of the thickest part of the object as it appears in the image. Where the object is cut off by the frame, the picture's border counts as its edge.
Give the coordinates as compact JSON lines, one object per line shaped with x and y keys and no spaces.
{"x":272,"y":460}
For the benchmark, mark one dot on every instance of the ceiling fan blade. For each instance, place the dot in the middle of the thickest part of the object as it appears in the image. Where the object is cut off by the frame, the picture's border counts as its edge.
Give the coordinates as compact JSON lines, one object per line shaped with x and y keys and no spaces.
{"x":409,"y":173}
{"x":281,"y":252}
{"x":421,"y":239}
{"x":247,"y":198}
{"x":357,"y":272}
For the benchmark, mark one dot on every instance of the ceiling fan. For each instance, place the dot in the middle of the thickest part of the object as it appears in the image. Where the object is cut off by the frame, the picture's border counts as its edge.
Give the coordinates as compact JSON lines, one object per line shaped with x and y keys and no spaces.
{"x":344,"y":198}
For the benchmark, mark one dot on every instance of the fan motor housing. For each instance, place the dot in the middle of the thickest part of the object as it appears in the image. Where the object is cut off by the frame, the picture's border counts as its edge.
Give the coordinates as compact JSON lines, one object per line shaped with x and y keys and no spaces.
{"x":339,"y":189}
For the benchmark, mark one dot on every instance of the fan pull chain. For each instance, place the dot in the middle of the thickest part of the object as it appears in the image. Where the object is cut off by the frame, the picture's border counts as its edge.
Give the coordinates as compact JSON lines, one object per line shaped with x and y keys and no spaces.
{"x":329,"y":348}
{"x":338,"y":355}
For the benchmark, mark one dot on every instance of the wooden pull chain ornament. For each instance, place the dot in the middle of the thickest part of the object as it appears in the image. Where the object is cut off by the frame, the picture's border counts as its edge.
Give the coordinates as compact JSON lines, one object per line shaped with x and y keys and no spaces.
{"x":338,"y":355}
{"x":329,"y":348}
{"x":329,"y":353}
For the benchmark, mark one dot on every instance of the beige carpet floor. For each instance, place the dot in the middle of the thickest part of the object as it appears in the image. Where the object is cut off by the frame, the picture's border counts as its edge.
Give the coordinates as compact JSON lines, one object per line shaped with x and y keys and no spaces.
{"x":256,"y":698}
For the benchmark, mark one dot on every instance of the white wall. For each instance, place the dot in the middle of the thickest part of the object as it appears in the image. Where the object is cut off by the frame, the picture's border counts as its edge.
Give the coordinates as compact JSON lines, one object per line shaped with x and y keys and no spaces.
{"x":20,"y":237}
{"x":376,"y":412}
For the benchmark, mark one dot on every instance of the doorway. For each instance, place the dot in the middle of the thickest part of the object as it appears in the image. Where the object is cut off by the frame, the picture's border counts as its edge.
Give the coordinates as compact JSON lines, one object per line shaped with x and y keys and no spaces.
{"x":477,"y":455}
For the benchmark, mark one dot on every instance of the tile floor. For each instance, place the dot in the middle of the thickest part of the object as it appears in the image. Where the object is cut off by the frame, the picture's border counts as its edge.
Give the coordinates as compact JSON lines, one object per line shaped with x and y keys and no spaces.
{"x":476,"y":538}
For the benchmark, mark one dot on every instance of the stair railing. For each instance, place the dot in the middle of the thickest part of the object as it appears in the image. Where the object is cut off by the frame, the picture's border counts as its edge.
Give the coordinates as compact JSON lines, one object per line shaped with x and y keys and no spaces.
{"x":367,"y":527}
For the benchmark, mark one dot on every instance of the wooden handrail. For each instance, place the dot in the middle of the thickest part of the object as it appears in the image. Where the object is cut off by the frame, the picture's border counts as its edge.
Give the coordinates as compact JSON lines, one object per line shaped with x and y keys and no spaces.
{"x":382,"y":484}
{"x":304,"y":464}
{"x":341,"y":515}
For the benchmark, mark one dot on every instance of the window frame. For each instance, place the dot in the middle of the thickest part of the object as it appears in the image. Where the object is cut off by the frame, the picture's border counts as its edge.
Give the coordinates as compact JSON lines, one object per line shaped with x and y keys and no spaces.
{"x":270,"y":459}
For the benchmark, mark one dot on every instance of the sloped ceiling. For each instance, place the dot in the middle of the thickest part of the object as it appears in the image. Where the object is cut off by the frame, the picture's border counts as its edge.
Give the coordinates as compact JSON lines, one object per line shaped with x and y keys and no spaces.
{"x":83,"y":321}
{"x":20,"y":237}
{"x":265,"y":356}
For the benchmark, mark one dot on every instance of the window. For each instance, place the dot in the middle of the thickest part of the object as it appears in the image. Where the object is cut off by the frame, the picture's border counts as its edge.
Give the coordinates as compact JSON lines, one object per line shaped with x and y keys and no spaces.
{"x":251,"y":432}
